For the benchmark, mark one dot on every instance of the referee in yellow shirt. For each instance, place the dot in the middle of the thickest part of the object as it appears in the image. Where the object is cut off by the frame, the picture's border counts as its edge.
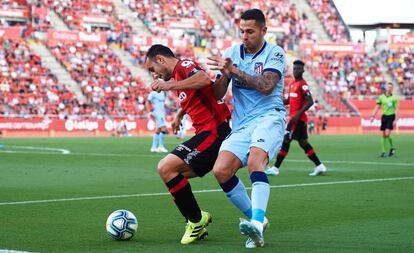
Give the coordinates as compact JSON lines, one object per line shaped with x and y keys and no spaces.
{"x":389,"y":104}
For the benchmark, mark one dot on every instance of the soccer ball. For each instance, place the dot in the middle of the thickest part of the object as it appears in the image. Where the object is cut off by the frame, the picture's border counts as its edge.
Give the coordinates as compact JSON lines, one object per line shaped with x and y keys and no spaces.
{"x":121,"y":225}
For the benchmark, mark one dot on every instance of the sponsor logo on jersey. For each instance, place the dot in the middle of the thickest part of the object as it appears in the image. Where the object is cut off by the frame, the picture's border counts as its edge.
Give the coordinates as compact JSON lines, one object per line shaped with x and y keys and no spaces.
{"x":293,"y":94}
{"x":277,"y":57}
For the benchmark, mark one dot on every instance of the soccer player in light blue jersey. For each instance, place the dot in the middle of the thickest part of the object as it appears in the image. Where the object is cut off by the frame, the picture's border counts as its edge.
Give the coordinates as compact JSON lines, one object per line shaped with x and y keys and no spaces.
{"x":256,"y":69}
{"x":156,"y":105}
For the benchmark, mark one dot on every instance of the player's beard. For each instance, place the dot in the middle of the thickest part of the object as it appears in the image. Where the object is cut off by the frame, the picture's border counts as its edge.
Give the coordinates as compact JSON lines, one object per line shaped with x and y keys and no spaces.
{"x":166,"y":75}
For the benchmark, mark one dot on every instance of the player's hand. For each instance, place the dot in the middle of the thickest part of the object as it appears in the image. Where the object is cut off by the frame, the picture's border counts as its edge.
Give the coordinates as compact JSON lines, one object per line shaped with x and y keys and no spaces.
{"x":160,"y":85}
{"x":225,"y":66}
{"x":372,"y":118}
{"x":292,"y":121}
{"x":176,"y":125}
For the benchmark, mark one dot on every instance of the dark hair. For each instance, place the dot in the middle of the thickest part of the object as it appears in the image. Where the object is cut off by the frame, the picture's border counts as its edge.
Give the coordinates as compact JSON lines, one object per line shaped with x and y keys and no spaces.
{"x":254,"y":14}
{"x":299,"y":62}
{"x":159,"y":49}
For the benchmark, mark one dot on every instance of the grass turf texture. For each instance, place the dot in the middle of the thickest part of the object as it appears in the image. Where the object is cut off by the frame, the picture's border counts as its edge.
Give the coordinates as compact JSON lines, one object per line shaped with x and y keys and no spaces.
{"x":355,"y":217}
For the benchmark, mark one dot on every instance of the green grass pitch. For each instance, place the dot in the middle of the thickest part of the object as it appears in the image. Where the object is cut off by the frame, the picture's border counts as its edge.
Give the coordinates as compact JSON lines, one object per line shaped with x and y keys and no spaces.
{"x":54,"y":202}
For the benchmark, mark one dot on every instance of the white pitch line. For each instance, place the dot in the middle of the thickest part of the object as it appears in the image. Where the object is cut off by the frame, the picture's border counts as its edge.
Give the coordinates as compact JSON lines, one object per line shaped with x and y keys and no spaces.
{"x":13,"y":251}
{"x":158,"y":155}
{"x":357,"y":162}
{"x":63,"y":151}
{"x":204,"y":191}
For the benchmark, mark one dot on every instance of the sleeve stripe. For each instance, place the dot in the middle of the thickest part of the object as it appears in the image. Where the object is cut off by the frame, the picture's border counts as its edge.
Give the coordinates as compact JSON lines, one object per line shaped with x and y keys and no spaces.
{"x":274,"y":71}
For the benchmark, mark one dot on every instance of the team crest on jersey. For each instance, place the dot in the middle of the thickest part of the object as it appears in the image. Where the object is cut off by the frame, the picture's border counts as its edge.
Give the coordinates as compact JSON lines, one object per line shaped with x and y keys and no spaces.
{"x":258,"y":67}
{"x":182,"y":96}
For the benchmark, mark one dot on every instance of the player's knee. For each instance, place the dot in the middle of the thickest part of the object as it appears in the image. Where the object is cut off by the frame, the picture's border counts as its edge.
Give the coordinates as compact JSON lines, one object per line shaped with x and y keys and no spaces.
{"x":163,"y":168}
{"x":254,"y":166}
{"x":221,"y":173}
{"x":303,"y":143}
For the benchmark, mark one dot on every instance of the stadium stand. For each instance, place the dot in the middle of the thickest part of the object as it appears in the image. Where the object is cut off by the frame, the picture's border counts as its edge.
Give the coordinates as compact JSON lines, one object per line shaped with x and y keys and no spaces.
{"x":108,"y":85}
{"x":400,"y":64}
{"x":284,"y":21}
{"x":177,"y":19}
{"x":331,"y":19}
{"x":27,"y":87}
{"x":92,"y":15}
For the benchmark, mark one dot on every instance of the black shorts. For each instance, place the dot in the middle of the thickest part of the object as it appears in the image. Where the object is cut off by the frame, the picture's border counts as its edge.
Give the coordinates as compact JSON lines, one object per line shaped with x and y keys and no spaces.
{"x":201,"y":151}
{"x":387,"y":122}
{"x":299,"y":131}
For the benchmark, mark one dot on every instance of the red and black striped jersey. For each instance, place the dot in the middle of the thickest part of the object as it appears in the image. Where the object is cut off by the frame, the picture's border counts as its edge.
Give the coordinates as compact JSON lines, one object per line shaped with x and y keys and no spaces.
{"x":298,"y":90}
{"x":204,"y":110}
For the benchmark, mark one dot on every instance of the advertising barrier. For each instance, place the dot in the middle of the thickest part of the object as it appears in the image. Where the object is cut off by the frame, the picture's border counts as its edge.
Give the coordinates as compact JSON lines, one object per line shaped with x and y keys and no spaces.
{"x":13,"y":127}
{"x":55,"y":37}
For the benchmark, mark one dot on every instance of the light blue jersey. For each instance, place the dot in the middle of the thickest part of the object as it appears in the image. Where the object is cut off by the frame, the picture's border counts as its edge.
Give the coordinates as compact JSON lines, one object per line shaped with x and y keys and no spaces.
{"x":158,"y":103}
{"x":157,"y":100}
{"x":248,"y":102}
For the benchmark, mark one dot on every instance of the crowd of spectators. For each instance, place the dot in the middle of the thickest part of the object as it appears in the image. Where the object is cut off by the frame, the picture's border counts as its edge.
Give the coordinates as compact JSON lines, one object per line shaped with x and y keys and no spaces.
{"x":73,"y":11}
{"x":107,"y":84}
{"x":330,"y":19}
{"x":400,"y":64}
{"x":111,"y":90}
{"x":27,"y":87}
{"x":349,"y":75}
{"x":177,"y":18}
{"x":283,"y":19}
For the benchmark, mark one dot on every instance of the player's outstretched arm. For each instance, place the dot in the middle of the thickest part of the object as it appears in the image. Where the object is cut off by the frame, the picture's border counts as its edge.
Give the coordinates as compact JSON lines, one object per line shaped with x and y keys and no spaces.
{"x":197,"y":81}
{"x":263,"y":84}
{"x":220,"y":87}
{"x":221,"y":84}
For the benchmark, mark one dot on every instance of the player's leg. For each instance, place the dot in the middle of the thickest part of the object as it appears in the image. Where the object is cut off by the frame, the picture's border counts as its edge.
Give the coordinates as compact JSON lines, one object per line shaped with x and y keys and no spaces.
{"x":224,"y":170}
{"x":384,"y":135}
{"x":389,"y":128}
{"x":266,"y":140}
{"x":161,"y":147}
{"x":154,"y":146}
{"x":233,"y":152}
{"x":161,"y":129}
{"x":310,"y":153}
{"x":199,"y":154}
{"x":258,"y":159}
{"x":388,"y":138}
{"x":274,"y":170}
{"x":174,"y":172}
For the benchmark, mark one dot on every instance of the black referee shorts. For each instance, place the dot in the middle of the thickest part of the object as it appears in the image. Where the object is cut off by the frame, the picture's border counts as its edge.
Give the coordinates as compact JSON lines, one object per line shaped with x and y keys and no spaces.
{"x":387,"y":122}
{"x":201,"y":151}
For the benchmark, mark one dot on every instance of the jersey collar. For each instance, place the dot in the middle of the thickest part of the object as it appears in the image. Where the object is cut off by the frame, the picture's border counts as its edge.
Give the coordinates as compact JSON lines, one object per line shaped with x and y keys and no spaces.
{"x":243,"y":51}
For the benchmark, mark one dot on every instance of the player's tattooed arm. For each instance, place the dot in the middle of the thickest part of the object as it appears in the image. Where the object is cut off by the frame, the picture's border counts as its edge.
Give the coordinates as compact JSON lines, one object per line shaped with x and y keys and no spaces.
{"x":264,"y":83}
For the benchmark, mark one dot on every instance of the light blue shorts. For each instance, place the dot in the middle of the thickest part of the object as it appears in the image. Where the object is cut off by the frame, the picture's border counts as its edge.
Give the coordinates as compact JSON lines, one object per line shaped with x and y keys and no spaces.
{"x":159,"y":120}
{"x":265,"y":132}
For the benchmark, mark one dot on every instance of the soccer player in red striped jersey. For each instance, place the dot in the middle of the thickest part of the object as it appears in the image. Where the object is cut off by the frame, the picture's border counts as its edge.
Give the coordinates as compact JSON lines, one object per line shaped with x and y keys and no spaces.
{"x":300,"y":100}
{"x":196,"y":156}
